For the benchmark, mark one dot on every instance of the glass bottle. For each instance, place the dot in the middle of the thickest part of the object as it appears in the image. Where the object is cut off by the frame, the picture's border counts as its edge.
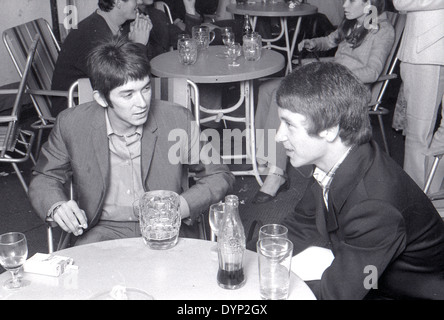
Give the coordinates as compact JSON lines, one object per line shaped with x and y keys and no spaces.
{"x":247,"y":29}
{"x":231,"y":246}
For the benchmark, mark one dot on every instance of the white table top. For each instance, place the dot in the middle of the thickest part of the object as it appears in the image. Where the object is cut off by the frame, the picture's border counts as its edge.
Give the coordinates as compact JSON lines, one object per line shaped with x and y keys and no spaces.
{"x":279,"y":9}
{"x":211,"y":67}
{"x":186,"y":272}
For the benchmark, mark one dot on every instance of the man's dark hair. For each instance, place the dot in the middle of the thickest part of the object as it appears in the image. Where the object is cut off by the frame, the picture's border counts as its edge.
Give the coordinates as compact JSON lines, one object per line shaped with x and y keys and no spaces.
{"x":107,"y":5}
{"x":116,"y":61}
{"x":328,"y":95}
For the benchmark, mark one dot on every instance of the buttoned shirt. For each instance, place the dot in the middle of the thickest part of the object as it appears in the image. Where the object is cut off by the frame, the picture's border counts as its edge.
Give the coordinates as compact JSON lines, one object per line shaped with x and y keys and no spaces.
{"x":325,"y":179}
{"x":125,"y":183}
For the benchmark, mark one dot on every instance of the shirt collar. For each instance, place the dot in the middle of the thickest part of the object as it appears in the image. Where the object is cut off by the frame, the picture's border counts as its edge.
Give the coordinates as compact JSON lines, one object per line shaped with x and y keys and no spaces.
{"x":110,"y":131}
{"x":115,"y":29}
{"x":325,"y":178}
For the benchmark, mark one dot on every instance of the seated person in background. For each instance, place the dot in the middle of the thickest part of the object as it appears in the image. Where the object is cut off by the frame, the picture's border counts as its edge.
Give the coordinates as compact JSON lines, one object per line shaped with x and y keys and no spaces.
{"x":164,"y":34}
{"x":364,"y":44}
{"x":101,"y":24}
{"x":116,"y":148}
{"x":361,"y":204}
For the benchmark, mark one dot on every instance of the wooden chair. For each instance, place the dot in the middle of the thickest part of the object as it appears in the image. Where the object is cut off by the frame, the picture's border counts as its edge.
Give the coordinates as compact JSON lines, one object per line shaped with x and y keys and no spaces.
{"x":16,"y":143}
{"x":18,"y":40}
{"x":380,"y":86}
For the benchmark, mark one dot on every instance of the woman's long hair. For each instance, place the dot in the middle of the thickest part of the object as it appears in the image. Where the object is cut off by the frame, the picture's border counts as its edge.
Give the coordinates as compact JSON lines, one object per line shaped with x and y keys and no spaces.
{"x":353,"y":34}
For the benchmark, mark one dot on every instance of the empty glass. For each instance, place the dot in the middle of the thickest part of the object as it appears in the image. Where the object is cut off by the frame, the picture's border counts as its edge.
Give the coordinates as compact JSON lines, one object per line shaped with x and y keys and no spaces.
{"x":203,"y":36}
{"x":13,"y":254}
{"x":215,"y":216}
{"x":252,"y":46}
{"x":274,"y":259}
{"x":187,"y":49}
{"x":273,"y":231}
{"x":233,"y":52}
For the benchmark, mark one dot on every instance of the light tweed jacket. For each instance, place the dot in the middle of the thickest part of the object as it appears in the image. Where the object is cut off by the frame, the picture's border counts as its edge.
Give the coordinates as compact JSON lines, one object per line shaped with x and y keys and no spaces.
{"x":423,"y":39}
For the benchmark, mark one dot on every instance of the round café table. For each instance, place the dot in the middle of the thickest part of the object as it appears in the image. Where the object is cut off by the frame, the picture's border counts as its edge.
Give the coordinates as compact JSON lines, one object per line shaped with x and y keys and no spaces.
{"x":279,"y":10}
{"x":212,"y":67}
{"x":185,"y":272}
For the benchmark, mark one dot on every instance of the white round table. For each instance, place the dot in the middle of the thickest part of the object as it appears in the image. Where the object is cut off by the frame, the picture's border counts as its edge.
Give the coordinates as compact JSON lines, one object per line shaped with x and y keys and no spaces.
{"x":212,"y":67}
{"x":186,"y":272}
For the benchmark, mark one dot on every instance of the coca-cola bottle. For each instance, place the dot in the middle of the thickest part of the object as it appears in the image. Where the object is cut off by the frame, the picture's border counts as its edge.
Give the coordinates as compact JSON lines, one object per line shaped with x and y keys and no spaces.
{"x":231,"y":246}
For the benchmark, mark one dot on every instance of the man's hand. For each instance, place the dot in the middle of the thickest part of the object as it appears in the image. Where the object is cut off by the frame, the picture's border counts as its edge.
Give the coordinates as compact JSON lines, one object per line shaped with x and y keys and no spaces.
{"x":140,"y":29}
{"x":307,"y":44}
{"x":71,"y":218}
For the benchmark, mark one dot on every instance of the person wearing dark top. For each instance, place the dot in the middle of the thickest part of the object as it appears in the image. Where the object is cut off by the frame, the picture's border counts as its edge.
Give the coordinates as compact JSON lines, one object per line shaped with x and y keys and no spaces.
{"x":164,"y":34}
{"x":99,"y":26}
{"x":385,"y":234}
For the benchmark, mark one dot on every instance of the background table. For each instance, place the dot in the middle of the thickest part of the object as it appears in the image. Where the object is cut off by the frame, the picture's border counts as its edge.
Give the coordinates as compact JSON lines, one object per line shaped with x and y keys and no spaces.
{"x":186,"y":272}
{"x":212,"y":67}
{"x":280,"y":10}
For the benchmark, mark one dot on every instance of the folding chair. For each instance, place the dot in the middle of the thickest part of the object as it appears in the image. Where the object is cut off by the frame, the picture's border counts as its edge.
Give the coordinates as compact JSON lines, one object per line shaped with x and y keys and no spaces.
{"x":15,"y":143}
{"x":160,"y":5}
{"x":380,"y":86}
{"x":18,"y":40}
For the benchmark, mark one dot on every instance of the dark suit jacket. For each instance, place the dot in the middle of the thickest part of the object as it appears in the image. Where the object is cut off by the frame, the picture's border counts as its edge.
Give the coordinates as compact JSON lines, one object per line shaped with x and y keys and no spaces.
{"x":377,"y":217}
{"x":78,"y":146}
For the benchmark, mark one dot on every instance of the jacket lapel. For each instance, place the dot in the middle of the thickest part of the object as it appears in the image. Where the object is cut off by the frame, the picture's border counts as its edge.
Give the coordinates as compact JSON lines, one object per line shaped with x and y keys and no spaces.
{"x":100,"y":144}
{"x":149,"y":139}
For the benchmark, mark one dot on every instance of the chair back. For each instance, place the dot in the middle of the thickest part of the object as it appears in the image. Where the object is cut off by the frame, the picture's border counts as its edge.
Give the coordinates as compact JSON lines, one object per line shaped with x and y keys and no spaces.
{"x":8,"y":134}
{"x":18,"y":41}
{"x":162,"y":6}
{"x":378,"y":89}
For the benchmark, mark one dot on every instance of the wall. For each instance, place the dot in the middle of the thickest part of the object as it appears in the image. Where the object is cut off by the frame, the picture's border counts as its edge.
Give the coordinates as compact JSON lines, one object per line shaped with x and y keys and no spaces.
{"x":14,"y":12}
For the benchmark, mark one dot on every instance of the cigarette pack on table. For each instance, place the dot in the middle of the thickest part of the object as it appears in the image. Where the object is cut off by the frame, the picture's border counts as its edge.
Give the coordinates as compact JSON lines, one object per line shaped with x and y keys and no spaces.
{"x":47,"y":264}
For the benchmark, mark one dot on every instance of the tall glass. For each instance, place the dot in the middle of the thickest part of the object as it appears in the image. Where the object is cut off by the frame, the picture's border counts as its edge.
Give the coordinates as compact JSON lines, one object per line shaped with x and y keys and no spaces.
{"x":13,"y":254}
{"x":252,"y":46}
{"x":187,"y":49}
{"x":273,"y":231}
{"x":233,"y":52}
{"x":274,"y":261}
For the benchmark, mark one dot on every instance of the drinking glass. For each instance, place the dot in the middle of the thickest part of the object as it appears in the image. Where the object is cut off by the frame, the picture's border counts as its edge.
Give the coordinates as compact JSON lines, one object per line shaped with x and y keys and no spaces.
{"x":273,"y":231}
{"x":159,"y":217}
{"x":274,"y":262}
{"x":233,"y":52}
{"x":215,"y":216}
{"x":187,"y":49}
{"x":203,"y":36}
{"x":252,"y":46}
{"x":228,"y":39}
{"x":13,"y":254}
{"x":182,"y":36}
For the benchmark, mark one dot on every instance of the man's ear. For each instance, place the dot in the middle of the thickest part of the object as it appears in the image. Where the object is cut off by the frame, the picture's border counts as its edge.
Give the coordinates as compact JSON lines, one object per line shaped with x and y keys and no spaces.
{"x":98,"y":97}
{"x":118,"y":4}
{"x":330,"y":134}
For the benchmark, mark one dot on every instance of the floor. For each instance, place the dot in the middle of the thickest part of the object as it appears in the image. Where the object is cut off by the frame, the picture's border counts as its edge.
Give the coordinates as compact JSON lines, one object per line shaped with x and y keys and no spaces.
{"x":16,"y":213}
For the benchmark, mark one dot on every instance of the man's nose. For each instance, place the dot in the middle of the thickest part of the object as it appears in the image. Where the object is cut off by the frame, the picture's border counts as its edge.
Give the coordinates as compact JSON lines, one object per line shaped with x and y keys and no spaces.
{"x":280,"y":137}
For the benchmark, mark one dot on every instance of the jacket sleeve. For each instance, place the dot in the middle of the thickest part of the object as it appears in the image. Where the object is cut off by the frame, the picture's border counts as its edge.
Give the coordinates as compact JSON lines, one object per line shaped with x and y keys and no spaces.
{"x":373,"y":236}
{"x":51,"y":173}
{"x":213,"y":178}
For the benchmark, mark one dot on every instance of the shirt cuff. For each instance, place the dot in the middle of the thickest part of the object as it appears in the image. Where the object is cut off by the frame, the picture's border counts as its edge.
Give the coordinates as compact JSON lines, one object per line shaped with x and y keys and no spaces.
{"x":52,"y":210}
